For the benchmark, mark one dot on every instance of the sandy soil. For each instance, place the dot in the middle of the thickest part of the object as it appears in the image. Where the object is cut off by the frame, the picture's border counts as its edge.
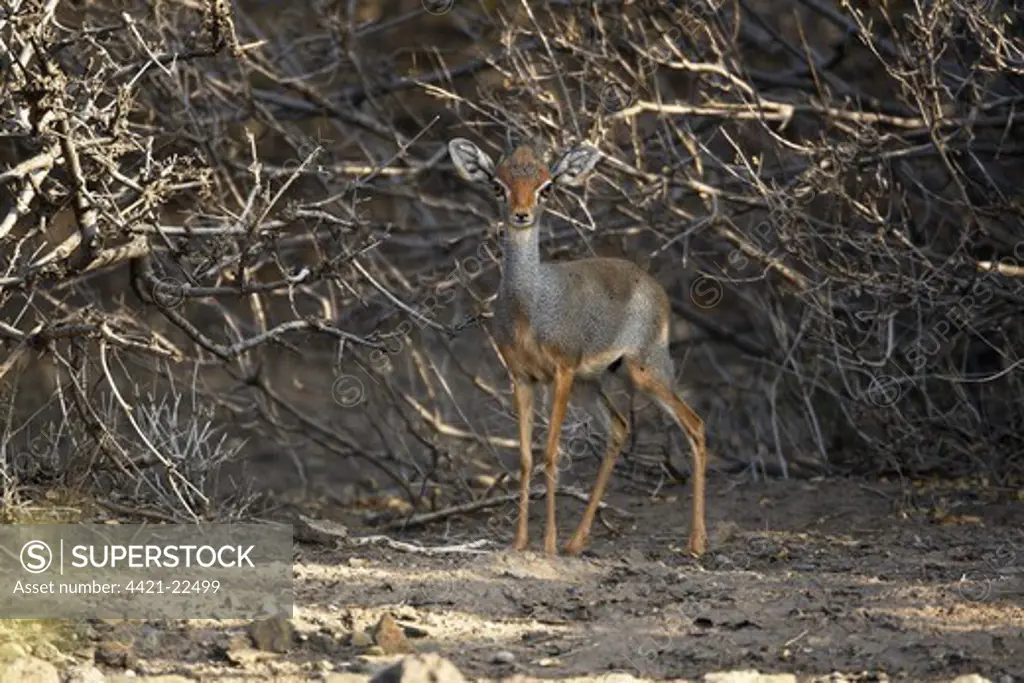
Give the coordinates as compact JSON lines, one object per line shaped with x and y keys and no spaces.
{"x":870,"y":579}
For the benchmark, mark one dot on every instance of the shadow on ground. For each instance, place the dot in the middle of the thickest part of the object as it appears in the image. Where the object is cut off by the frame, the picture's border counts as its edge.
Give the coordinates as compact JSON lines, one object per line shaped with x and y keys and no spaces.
{"x":802,"y":577}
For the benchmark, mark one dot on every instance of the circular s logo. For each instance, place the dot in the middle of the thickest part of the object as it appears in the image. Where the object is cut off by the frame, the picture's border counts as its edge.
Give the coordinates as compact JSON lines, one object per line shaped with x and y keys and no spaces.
{"x":36,"y":557}
{"x":706,"y":292}
{"x":348,"y":391}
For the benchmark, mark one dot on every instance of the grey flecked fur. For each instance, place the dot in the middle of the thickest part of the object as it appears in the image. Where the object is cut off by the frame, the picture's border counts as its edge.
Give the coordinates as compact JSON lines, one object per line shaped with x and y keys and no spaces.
{"x":595,"y":307}
{"x":555,"y":322}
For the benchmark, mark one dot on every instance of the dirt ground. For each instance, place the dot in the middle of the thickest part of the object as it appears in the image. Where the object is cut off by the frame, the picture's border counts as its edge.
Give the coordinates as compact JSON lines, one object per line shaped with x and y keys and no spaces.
{"x":866,"y":578}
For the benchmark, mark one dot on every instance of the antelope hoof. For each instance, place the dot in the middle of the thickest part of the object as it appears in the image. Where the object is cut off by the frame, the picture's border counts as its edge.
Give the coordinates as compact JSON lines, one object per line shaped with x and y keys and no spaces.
{"x":698,"y":544}
{"x":550,"y":546}
{"x":575,"y":546}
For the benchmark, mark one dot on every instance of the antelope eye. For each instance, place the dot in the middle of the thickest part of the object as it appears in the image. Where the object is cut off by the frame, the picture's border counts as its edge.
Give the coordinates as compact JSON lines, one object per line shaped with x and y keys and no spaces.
{"x":499,"y":190}
{"x":545,"y":191}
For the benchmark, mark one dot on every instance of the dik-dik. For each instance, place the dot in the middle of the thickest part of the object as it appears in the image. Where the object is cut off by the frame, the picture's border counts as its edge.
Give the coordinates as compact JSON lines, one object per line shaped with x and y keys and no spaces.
{"x":560,"y":323}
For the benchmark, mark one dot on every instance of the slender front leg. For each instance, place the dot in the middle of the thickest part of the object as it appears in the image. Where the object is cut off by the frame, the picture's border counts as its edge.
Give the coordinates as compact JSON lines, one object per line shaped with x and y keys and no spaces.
{"x":562,"y":389}
{"x":522,"y":388}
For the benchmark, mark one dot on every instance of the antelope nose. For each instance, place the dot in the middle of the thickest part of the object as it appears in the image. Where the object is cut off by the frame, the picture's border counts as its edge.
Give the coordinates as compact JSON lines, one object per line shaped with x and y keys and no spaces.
{"x":522,"y":216}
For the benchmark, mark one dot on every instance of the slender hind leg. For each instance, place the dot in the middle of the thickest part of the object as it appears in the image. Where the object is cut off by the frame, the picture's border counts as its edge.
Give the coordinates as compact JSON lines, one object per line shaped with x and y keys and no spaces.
{"x":617,"y":431}
{"x":655,"y":380}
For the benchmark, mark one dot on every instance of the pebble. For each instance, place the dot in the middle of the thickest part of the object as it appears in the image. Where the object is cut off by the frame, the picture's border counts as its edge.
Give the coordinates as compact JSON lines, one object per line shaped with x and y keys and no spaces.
{"x":503,"y":657}
{"x":361,"y":639}
{"x":747,"y":676}
{"x":83,"y":674}
{"x":422,"y":667}
{"x":414,"y":631}
{"x":390,"y":636}
{"x":275,"y":634}
{"x":344,"y":678}
{"x":49,"y":652}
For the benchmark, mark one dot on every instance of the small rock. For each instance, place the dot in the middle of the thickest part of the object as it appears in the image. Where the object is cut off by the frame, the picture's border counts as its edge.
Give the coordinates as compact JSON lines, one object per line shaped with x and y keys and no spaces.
{"x":358,"y":562}
{"x":389,"y":635}
{"x":325,"y":665}
{"x":49,"y":652}
{"x":84,"y":654}
{"x":375,"y":651}
{"x":234,"y":642}
{"x":503,"y":657}
{"x":748,"y":676}
{"x":275,"y":634}
{"x":420,"y":668}
{"x":9,"y":651}
{"x":246,"y":657}
{"x":414,"y":631}
{"x":84,"y":674}
{"x":117,"y":653}
{"x":360,"y":639}
{"x":28,"y":670}
{"x":321,"y":642}
{"x":971,"y":678}
{"x":234,"y":650}
{"x":548,"y":662}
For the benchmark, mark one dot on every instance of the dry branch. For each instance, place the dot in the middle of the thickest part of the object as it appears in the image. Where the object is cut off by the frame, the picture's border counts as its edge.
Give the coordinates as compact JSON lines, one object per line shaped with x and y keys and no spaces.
{"x":263,"y":205}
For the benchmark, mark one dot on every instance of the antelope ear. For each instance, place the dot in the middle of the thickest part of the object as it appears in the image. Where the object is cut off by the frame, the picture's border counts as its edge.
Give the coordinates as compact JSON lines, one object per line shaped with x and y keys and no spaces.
{"x":575,"y":165}
{"x":471,"y":162}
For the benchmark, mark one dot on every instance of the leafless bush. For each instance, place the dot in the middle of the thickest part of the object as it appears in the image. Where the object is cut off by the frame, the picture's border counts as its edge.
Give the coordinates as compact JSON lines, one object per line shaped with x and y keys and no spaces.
{"x":260,"y":199}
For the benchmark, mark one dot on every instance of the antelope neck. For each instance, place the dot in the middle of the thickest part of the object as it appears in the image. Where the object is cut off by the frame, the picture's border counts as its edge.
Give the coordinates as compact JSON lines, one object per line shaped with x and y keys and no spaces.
{"x":522,"y":267}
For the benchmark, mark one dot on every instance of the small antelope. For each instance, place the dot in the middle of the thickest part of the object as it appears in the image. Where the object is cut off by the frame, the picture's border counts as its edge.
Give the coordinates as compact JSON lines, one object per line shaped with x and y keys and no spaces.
{"x":560,"y":322}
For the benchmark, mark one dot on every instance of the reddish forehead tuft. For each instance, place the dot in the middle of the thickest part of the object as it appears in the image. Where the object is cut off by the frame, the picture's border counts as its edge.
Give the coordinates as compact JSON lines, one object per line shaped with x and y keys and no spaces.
{"x":523,"y":165}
